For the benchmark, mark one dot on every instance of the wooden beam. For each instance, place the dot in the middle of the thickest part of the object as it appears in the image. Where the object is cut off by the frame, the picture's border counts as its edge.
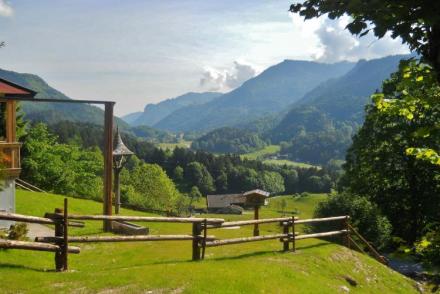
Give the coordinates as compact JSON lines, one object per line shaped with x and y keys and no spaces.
{"x":138,"y":238}
{"x":146,"y":218}
{"x":24,"y":245}
{"x":251,"y":222}
{"x":319,"y":235}
{"x":25,"y":218}
{"x":324,"y":219}
{"x":108,"y":164}
{"x":245,"y":240}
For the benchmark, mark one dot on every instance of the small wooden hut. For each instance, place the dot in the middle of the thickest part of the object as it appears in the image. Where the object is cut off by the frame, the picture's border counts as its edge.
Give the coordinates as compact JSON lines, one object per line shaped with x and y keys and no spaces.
{"x":10,"y":166}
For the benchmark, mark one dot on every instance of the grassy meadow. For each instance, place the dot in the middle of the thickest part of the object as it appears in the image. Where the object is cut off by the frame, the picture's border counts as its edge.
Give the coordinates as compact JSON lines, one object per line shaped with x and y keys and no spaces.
{"x":166,"y":267}
{"x":272,"y":150}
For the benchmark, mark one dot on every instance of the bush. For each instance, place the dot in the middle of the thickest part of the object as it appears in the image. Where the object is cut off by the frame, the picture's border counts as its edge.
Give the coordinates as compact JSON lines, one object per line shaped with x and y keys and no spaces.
{"x":365,"y":216}
{"x":18,"y":232}
{"x":429,"y":246}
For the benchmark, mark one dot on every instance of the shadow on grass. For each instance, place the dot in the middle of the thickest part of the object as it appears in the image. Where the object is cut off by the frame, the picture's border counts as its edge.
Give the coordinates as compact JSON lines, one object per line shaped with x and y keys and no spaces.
{"x":23,"y":267}
{"x":317,"y":245}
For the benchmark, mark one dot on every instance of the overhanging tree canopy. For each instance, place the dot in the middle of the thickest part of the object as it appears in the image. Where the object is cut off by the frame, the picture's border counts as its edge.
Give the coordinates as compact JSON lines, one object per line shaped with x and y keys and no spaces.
{"x":417,"y":22}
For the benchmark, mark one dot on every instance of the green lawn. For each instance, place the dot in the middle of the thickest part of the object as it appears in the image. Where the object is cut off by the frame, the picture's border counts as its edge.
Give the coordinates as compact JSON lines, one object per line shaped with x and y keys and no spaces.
{"x":166,"y":267}
{"x":171,"y":146}
{"x":272,"y":150}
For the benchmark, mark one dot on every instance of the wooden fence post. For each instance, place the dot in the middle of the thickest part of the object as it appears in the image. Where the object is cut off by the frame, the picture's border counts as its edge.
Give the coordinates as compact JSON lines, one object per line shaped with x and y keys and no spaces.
{"x":286,"y":239}
{"x":205,"y":233}
{"x":347,"y":234}
{"x":293,"y":234}
{"x":65,"y":246}
{"x":196,"y":231}
{"x":59,"y":228}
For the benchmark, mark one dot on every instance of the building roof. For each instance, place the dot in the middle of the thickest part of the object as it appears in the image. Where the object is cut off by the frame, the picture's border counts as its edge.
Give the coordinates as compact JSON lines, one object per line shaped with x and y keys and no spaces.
{"x":10,"y":89}
{"x":224,"y":200}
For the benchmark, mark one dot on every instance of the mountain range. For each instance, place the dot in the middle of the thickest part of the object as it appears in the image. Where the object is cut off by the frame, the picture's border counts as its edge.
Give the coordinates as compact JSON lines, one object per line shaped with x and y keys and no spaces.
{"x":54,"y":112}
{"x":270,"y":92}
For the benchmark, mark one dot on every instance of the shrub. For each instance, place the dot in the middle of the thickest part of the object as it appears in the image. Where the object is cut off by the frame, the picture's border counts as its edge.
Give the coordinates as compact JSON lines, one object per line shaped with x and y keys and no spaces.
{"x":365,"y":216}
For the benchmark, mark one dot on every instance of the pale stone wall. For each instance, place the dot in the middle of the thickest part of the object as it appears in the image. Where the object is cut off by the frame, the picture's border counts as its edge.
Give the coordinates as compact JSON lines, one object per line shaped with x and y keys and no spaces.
{"x":7,"y":200}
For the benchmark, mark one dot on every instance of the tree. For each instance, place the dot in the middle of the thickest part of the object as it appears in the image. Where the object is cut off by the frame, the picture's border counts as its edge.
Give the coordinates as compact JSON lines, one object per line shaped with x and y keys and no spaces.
{"x":378,"y":164}
{"x":365,"y":216}
{"x":417,"y":22}
{"x":154,"y":190}
{"x":194,"y":195}
{"x":197,"y":175}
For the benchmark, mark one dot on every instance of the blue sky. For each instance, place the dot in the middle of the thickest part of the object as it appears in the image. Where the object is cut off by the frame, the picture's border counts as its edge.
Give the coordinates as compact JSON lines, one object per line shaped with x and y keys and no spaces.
{"x":138,"y":52}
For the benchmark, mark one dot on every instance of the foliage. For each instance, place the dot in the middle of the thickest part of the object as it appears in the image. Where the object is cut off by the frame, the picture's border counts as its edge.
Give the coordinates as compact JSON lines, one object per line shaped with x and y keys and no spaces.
{"x":229,"y":140}
{"x":378,"y":166}
{"x":365,"y":216}
{"x":197,"y":173}
{"x":18,"y":232}
{"x":429,"y":246}
{"x":416,"y":22}
{"x":413,"y":93}
{"x":153,"y":189}
{"x":61,"y":168}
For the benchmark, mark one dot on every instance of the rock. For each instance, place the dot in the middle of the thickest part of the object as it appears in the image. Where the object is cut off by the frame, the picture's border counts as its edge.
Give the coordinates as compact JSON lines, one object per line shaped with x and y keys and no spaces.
{"x":344,"y":289}
{"x":351,"y":281}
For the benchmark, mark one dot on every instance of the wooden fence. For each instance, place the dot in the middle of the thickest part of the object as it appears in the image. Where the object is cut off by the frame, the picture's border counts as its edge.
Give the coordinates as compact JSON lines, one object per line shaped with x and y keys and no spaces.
{"x":59,"y":243}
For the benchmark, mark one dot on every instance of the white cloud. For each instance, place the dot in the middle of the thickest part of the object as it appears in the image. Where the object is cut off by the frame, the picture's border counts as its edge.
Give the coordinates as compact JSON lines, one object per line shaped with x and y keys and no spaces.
{"x":338,"y":44}
{"x":227,"y":79}
{"x":6,"y":9}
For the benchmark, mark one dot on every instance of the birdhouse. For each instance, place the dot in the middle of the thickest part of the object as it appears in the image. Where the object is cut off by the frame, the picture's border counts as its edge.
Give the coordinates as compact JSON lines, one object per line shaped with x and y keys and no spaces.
{"x":256,"y":197}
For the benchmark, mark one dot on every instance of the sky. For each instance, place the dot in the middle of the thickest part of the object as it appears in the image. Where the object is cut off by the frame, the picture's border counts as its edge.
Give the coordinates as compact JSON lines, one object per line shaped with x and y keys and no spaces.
{"x":137,"y":52}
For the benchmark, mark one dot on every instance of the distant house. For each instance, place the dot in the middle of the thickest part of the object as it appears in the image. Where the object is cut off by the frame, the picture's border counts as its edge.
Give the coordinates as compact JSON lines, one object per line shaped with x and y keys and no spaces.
{"x":223,"y":202}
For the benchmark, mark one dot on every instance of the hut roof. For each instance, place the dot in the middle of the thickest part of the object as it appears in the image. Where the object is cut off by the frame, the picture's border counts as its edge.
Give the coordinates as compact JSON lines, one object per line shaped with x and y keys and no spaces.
{"x":224,"y":200}
{"x":10,"y":89}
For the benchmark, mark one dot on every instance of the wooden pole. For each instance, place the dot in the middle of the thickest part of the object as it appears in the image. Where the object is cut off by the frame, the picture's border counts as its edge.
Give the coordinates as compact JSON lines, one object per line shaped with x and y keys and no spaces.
{"x":245,"y":240}
{"x":196,"y":231}
{"x":286,"y":232}
{"x":293,"y":234}
{"x":117,"y":191}
{"x":35,"y":246}
{"x":256,"y":217}
{"x":347,"y":235}
{"x":136,"y":238}
{"x":252,"y":222}
{"x":59,"y":235}
{"x":65,"y":246}
{"x":320,"y":235}
{"x":108,"y":164}
{"x":205,"y":233}
{"x":160,"y":219}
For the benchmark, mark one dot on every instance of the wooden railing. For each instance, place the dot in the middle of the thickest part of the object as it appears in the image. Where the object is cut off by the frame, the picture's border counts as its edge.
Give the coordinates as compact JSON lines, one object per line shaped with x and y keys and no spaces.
{"x":59,"y":243}
{"x":10,"y":158}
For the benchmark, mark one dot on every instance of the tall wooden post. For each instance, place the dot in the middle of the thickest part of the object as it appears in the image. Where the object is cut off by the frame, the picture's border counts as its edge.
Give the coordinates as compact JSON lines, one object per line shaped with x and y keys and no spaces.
{"x":108,"y":163}
{"x":293,"y":234}
{"x":65,"y":246}
{"x":286,"y":226}
{"x":256,"y":216}
{"x":117,"y":191}
{"x":196,"y":231}
{"x":59,"y":240}
{"x":347,"y":234}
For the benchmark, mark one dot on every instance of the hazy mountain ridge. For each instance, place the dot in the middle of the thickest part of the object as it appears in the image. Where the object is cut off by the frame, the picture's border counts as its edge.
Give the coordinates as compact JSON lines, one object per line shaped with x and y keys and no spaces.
{"x":268,"y":93}
{"x":153,"y":113}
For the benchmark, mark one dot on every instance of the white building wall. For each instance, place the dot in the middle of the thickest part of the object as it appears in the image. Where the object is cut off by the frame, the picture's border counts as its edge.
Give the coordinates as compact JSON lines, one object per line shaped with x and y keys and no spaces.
{"x":7,"y":200}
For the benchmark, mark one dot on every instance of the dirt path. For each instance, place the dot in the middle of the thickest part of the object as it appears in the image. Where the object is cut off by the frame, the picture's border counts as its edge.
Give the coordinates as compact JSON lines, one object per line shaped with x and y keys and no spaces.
{"x":37,"y":230}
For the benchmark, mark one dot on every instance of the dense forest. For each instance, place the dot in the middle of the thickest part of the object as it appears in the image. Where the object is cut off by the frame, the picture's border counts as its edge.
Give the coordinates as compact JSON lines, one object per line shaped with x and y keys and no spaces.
{"x":75,"y":168}
{"x":229,"y":140}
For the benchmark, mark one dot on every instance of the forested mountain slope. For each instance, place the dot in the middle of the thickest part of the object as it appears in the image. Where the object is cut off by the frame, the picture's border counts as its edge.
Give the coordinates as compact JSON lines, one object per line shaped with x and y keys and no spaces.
{"x":53,"y":112}
{"x":270,"y":92}
{"x":153,"y":113}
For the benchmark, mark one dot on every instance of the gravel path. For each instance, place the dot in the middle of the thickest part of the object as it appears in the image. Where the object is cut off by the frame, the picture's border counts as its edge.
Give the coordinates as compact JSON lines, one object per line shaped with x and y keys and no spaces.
{"x":37,"y":230}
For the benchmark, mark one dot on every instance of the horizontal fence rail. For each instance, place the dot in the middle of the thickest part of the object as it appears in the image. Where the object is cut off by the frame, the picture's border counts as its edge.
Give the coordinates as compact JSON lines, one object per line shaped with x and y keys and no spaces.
{"x":320,"y":235}
{"x":253,"y":222}
{"x":138,"y":238}
{"x":36,"y":246}
{"x":146,"y":219}
{"x":246,"y":240}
